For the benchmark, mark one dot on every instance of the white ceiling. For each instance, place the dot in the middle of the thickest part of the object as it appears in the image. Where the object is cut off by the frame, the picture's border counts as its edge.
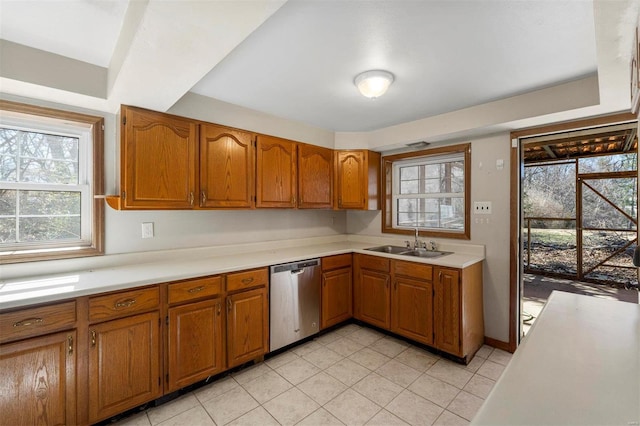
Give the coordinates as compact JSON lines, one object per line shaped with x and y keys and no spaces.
{"x":297,"y":59}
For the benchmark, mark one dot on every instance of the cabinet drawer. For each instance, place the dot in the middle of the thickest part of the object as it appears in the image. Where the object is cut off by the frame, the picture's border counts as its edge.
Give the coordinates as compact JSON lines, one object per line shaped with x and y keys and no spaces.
{"x":374,"y":263}
{"x":247,"y":279}
{"x":194,"y":289}
{"x":413,"y":269}
{"x":124,"y":303}
{"x":37,"y":321}
{"x":335,"y":262}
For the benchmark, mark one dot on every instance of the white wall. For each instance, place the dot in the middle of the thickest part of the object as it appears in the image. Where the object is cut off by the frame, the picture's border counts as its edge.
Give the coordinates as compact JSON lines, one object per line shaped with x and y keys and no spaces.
{"x":487,"y":184}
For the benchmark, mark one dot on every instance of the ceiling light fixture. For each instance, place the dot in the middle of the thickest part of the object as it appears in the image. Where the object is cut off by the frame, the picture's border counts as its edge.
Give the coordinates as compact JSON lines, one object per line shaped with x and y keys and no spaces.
{"x":374,"y":83}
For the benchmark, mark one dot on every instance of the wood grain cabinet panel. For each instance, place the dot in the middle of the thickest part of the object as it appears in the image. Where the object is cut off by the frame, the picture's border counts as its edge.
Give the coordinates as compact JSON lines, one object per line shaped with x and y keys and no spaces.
{"x":447,"y":313}
{"x":357,"y":180}
{"x":195,"y":343}
{"x":315,"y":177}
{"x":124,"y":364}
{"x":276,"y":172}
{"x":412,"y":309}
{"x":372,"y":295}
{"x":337,"y":299}
{"x":226,"y":167}
{"x":247,"y":326}
{"x":115,"y":305}
{"x":37,"y":378}
{"x":158,"y":160}
{"x":37,"y":321}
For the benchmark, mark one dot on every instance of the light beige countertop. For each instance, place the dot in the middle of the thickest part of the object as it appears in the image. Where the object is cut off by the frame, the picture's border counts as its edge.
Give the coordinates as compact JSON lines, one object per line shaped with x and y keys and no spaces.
{"x":578,"y":365}
{"x":118,"y":272}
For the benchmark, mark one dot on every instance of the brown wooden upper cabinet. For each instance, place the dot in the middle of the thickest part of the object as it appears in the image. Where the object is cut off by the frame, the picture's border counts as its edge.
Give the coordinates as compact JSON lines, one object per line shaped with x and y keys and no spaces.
{"x":226,"y":167}
{"x":357,"y":177}
{"x":158,"y":160}
{"x":276,"y":172}
{"x":315,"y":177}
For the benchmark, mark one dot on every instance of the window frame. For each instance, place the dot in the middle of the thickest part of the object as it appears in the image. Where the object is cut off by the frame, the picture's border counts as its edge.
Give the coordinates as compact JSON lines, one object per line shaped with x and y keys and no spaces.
{"x":388,"y":210}
{"x":94,"y":153}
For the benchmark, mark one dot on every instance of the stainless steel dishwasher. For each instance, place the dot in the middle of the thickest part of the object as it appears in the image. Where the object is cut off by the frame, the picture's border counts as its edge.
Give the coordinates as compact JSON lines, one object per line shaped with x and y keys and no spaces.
{"x":294,"y":306}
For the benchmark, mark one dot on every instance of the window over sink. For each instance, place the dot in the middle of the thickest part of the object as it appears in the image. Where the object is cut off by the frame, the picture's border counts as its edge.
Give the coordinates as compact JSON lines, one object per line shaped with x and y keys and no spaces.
{"x":428,"y":190}
{"x":50,"y":170}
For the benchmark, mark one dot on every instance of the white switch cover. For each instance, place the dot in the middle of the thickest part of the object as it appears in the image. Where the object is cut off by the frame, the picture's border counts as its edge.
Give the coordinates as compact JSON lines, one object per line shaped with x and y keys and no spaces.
{"x":482,"y":207}
{"x":147,"y":229}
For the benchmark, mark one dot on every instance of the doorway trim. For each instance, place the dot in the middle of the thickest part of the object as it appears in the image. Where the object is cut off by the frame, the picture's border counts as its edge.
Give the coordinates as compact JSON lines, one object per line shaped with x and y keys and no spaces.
{"x":515,"y":261}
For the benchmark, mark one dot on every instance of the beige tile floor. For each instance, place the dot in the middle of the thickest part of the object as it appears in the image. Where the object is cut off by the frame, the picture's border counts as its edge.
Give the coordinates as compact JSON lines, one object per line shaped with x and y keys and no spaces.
{"x":352,"y":376}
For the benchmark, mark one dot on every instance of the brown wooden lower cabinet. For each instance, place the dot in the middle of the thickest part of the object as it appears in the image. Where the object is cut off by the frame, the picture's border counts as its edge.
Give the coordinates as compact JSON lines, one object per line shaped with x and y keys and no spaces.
{"x":437,"y":306}
{"x":195,"y":344}
{"x":337,"y":298}
{"x":247,"y":326}
{"x":38,"y":381}
{"x":371,"y":290}
{"x":124,"y":364}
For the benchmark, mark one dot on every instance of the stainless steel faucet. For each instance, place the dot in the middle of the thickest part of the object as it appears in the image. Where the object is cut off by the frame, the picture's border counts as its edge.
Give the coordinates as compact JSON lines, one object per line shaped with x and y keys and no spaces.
{"x":416,"y":243}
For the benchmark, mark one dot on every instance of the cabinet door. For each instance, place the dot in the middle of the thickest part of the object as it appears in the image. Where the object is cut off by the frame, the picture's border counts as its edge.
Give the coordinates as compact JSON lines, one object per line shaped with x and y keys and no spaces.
{"x":195,"y":343}
{"x":447,"y":310}
{"x":373,"y":302}
{"x":276,"y":181}
{"x":158,"y":160}
{"x":336,"y":297}
{"x":124,"y":364}
{"x":247,"y":326}
{"x":37,"y":378}
{"x":351,"y":179}
{"x":226,"y":167}
{"x":315,"y":177}
{"x":412,"y":309}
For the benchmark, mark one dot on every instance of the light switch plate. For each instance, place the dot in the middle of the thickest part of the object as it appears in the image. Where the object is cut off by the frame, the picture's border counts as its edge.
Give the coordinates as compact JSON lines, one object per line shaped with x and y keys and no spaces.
{"x":482,"y":207}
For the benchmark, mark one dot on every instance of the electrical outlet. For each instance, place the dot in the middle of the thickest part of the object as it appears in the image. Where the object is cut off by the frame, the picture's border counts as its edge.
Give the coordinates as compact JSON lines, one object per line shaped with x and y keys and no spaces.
{"x":482,"y":207}
{"x":147,"y":229}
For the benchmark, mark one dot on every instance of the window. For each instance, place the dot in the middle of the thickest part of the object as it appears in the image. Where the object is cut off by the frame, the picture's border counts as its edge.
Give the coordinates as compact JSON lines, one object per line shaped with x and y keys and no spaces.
{"x":50,"y":171}
{"x":428,"y":190}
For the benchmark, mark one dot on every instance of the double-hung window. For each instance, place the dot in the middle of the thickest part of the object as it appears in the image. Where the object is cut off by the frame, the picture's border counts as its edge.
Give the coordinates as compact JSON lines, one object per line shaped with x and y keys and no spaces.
{"x":48,"y":179}
{"x":428,"y":190}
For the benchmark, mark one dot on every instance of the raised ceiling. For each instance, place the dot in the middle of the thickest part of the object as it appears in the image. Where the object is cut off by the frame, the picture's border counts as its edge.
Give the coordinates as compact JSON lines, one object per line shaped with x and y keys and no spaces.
{"x":297,"y":59}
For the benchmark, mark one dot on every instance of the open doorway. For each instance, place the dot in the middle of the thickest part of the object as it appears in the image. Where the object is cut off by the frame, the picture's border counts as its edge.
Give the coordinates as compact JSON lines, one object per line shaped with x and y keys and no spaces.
{"x":575,"y":192}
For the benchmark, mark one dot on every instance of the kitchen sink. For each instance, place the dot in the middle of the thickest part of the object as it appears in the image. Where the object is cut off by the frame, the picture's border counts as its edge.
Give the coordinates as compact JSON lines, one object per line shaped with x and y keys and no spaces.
{"x":389,"y":249}
{"x":424,"y":253}
{"x":403,"y":251}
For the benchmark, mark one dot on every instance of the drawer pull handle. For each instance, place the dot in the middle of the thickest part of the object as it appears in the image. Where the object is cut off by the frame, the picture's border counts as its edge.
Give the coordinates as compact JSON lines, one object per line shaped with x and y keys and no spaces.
{"x":27,"y":322}
{"x":70,"y":345}
{"x":93,"y":338}
{"x":125,"y":303}
{"x":196,"y":289}
{"x":247,"y":280}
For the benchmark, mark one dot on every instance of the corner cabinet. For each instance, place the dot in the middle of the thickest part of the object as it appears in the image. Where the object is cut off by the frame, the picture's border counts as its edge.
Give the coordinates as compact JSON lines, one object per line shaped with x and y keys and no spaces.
{"x":226,"y":167}
{"x":276,"y":177}
{"x":337,"y":300}
{"x":357,"y":180}
{"x":158,"y":160}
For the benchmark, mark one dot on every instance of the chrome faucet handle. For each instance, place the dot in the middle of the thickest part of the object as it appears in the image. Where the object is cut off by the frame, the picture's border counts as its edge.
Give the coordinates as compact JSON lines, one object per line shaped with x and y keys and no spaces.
{"x":407,"y":244}
{"x":432,"y":245}
{"x":423,"y":244}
